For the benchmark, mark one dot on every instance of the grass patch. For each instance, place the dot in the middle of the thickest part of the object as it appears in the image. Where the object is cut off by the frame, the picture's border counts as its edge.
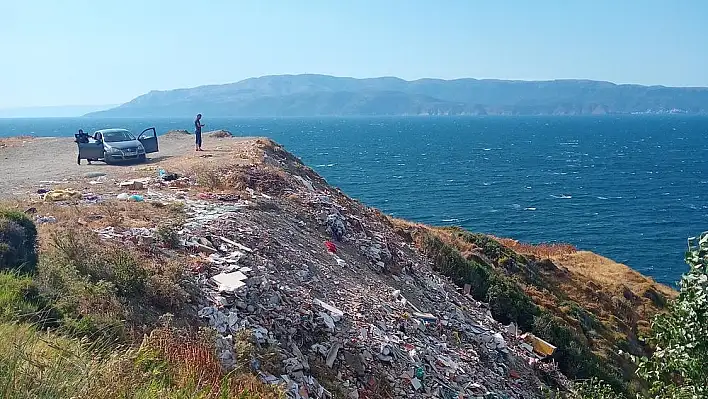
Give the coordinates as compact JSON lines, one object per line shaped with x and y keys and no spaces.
{"x":18,"y":242}
{"x":19,"y":298}
{"x":168,"y":364}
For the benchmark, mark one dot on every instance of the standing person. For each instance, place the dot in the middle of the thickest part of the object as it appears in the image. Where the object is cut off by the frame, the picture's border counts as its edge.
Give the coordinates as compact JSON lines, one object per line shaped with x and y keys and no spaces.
{"x":198,"y":132}
{"x":81,"y":138}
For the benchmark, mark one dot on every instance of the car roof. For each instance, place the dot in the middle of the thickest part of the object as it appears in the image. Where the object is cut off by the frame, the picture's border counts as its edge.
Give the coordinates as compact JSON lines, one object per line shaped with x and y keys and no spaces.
{"x":111,"y":130}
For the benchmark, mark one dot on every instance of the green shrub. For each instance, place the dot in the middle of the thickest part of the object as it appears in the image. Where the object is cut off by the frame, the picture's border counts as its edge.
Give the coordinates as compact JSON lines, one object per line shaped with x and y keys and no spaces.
{"x":18,"y":296}
{"x":98,"y":285}
{"x":574,"y":357}
{"x":678,"y":368}
{"x":506,"y":299}
{"x":167,"y":235}
{"x":448,"y":261}
{"x":96,"y":327}
{"x":18,"y":242}
{"x":490,"y":247}
{"x":39,"y":365}
{"x":509,"y":303}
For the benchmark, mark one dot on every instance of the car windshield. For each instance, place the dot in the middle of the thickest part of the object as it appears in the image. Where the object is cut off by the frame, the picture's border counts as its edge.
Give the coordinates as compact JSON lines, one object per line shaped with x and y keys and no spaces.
{"x":120,"y":135}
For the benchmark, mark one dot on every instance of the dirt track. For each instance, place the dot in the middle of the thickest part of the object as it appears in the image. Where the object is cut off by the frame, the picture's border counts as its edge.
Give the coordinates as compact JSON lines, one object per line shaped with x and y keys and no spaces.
{"x":27,"y":162}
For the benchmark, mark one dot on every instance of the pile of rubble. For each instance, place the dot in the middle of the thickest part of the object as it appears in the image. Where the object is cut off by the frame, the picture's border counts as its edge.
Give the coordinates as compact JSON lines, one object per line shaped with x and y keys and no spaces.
{"x":351,"y":308}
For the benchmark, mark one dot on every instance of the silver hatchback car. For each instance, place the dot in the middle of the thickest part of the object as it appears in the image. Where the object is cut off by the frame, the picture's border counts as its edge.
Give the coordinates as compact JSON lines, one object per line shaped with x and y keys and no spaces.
{"x":117,"y":145}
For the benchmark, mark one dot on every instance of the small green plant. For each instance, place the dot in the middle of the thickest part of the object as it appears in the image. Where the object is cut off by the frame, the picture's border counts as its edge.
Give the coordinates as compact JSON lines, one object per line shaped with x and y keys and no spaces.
{"x":167,"y":235}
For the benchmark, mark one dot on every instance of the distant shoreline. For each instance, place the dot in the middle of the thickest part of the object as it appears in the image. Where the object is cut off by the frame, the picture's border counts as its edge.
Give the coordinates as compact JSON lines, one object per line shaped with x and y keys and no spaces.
{"x":182,"y":117}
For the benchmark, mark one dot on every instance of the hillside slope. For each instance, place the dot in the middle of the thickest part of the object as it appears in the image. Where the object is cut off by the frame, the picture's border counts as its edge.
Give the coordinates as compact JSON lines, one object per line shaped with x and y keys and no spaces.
{"x":321,"y":95}
{"x":333,"y":296}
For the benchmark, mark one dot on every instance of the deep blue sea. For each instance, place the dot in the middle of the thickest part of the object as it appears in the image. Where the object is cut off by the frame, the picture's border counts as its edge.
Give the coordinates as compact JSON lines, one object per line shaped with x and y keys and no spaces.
{"x":631,"y":188}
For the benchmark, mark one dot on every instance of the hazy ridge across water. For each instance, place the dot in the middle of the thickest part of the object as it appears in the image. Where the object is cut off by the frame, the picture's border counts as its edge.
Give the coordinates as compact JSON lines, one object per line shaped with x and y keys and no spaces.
{"x":631,"y":188}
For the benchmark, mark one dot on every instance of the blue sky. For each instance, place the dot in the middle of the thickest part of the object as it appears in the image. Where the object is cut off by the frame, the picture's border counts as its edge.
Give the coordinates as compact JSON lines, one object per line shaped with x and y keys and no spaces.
{"x":106,"y":52}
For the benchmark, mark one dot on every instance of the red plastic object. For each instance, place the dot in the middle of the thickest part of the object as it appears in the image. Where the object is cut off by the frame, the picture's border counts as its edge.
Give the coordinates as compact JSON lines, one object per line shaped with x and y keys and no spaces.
{"x":331,"y":247}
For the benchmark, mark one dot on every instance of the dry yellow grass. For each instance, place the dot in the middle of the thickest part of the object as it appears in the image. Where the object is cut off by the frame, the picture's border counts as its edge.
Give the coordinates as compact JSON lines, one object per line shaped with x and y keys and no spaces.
{"x":610,"y":275}
{"x":543,"y":250}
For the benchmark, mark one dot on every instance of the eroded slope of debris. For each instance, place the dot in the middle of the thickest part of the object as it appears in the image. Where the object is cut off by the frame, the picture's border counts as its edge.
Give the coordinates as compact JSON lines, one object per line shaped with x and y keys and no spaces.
{"x":352,"y":308}
{"x":342,"y":304}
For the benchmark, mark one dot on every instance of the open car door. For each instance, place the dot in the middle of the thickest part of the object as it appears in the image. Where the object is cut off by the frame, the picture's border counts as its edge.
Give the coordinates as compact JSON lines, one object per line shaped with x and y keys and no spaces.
{"x":92,"y":150}
{"x":148,"y":138}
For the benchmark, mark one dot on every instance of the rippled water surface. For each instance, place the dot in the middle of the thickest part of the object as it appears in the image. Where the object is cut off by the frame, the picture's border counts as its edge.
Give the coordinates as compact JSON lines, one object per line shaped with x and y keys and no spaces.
{"x":632,"y":188}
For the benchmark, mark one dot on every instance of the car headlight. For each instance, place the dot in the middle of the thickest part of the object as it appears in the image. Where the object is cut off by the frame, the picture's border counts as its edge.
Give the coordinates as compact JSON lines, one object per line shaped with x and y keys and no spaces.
{"x":114,"y":150}
{"x":141,"y":148}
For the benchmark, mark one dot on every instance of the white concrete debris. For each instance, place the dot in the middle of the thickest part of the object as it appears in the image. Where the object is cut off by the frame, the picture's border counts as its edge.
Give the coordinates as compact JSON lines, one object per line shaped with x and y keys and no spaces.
{"x":230,"y":282}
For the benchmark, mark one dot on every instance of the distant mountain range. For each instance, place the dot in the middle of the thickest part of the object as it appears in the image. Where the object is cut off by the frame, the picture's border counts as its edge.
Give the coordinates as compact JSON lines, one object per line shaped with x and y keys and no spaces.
{"x":51,"y":111}
{"x":321,"y":95}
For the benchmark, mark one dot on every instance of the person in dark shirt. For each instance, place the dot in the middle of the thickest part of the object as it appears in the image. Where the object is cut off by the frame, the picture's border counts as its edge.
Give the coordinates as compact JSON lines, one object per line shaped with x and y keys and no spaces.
{"x":81,"y":138}
{"x":198,"y":132}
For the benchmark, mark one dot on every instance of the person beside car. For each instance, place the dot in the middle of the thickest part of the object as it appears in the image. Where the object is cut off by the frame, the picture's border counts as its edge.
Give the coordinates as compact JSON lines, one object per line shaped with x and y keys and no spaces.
{"x":81,"y":138}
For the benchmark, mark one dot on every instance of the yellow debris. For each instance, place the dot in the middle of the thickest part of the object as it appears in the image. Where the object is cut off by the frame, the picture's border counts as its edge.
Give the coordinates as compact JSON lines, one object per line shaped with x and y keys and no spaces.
{"x":62,"y":195}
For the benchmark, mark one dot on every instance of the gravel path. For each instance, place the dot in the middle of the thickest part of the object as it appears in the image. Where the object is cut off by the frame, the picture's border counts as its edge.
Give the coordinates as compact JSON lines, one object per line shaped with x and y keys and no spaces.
{"x":27,"y":162}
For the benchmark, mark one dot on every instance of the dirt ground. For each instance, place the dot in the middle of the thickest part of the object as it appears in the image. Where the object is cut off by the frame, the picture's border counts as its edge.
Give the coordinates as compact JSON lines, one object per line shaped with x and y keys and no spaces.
{"x":28,"y":163}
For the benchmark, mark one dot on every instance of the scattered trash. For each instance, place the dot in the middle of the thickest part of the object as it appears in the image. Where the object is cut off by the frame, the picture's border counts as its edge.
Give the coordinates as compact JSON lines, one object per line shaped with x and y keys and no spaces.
{"x":123,"y":196}
{"x":336,"y":226}
{"x":165,"y":176}
{"x":136,"y":198}
{"x":336,"y":313}
{"x":331,"y":247}
{"x":46,"y":219}
{"x":62,"y":195}
{"x":226,"y":197}
{"x":539,"y":346}
{"x":132,"y":185}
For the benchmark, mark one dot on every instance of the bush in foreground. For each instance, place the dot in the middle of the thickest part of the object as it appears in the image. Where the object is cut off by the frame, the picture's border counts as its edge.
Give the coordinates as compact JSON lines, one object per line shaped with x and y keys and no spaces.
{"x":678,"y":367}
{"x":106,"y":289}
{"x":18,"y":242}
